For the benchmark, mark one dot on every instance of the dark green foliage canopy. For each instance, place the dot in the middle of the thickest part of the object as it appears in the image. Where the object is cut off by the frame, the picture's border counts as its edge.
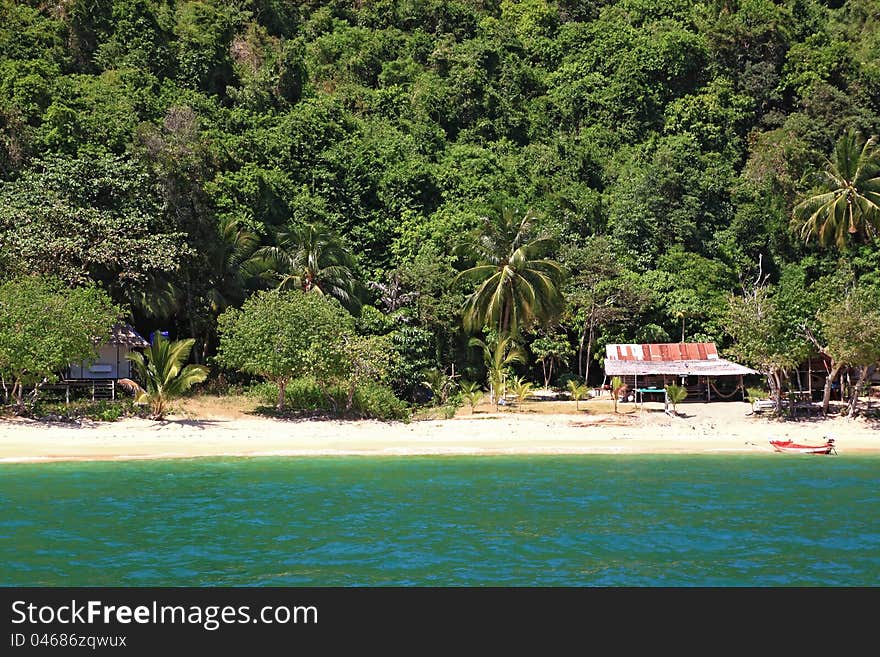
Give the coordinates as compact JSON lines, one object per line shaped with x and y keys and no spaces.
{"x":153,"y":146}
{"x":45,"y":326}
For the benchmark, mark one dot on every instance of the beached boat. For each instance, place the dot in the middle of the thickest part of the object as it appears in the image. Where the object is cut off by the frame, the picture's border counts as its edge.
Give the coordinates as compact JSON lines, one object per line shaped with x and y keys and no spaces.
{"x":790,"y":447}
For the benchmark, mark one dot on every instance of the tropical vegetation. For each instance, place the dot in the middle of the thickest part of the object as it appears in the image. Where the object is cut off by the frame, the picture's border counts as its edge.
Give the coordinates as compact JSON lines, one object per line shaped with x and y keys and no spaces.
{"x":500,"y":354}
{"x":471,"y":393}
{"x":160,"y":367}
{"x":676,"y":394}
{"x":556,"y":174}
{"x":847,"y":204}
{"x":44,"y":327}
{"x":578,"y":391}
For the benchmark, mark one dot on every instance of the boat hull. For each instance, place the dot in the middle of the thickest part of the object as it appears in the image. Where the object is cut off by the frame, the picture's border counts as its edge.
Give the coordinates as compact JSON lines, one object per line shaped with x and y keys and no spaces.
{"x":789,"y":447}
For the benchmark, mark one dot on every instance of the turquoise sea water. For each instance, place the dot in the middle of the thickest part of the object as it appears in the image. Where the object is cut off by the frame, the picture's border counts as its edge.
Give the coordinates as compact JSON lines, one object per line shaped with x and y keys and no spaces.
{"x":750,"y":520}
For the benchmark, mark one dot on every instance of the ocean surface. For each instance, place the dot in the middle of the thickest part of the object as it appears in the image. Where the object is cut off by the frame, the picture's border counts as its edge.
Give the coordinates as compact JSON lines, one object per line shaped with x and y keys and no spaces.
{"x":599,"y":521}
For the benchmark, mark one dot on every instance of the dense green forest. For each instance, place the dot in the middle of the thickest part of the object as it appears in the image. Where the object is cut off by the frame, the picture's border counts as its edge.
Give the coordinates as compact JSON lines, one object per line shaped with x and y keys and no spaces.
{"x":637,"y":166}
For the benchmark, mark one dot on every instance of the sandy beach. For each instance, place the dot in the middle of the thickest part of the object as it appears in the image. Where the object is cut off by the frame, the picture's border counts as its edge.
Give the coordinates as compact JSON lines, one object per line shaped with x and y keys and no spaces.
{"x":712,"y":428}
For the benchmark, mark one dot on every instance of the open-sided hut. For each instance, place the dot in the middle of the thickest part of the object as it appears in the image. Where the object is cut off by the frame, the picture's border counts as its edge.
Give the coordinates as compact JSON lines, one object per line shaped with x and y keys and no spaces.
{"x":695,"y":365}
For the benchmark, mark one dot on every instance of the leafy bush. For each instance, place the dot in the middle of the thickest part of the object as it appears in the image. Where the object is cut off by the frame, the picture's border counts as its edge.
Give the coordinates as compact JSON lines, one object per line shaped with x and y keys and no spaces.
{"x":100,"y":410}
{"x":379,"y":402}
{"x":286,"y":335}
{"x":300,"y":395}
{"x":754,"y":394}
{"x":262,"y":391}
{"x":561,"y":381}
{"x":371,"y":400}
{"x":107,"y":413}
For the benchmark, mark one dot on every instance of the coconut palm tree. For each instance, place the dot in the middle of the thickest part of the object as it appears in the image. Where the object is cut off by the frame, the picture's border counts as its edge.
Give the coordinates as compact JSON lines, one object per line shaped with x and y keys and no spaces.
{"x":676,"y":394}
{"x":578,"y":391}
{"x":471,"y":393}
{"x":522,"y":389}
{"x":311,"y":258}
{"x":440,"y":384}
{"x":499,"y":353}
{"x":848,"y":201}
{"x":516,"y":287}
{"x":160,"y":368}
{"x":235,"y":245}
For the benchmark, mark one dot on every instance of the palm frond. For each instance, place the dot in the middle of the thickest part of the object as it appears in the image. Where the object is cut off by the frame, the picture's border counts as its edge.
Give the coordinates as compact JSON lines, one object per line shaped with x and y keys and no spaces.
{"x":848,"y":203}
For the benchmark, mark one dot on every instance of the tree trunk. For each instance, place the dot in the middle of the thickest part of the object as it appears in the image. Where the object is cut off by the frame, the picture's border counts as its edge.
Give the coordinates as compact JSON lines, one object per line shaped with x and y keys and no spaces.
{"x":826,"y":395}
{"x":37,"y":391}
{"x":282,"y":387}
{"x":581,"y":351}
{"x":17,"y":394}
{"x":191,"y":320}
{"x":349,"y":401}
{"x":775,"y":382}
{"x":864,"y":373}
{"x":585,"y":371}
{"x":589,"y":349}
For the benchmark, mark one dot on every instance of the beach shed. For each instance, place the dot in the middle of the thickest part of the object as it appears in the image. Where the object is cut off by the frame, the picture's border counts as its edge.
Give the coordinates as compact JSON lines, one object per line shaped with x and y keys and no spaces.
{"x":695,"y":365}
{"x":112,"y":361}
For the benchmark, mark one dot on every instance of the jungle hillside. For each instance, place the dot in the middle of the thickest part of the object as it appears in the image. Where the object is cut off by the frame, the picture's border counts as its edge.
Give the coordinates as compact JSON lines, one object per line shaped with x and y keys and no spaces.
{"x":474,"y":189}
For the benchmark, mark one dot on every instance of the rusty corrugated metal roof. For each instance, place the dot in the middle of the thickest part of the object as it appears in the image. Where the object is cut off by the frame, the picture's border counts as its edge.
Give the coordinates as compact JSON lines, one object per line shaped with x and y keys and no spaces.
{"x":662,"y":352}
{"x":673,"y":358}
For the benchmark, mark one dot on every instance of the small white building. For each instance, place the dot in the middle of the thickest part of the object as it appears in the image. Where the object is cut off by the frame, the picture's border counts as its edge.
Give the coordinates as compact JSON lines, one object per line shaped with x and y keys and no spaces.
{"x":112,"y":362}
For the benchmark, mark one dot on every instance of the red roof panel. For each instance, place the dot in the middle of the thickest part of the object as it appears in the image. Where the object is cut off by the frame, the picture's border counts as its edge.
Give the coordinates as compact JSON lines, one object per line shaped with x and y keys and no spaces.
{"x":675,"y":358}
{"x":663,"y":352}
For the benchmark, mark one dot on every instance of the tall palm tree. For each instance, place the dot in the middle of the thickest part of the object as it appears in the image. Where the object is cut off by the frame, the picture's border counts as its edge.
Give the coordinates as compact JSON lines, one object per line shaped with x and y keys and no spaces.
{"x":311,"y":258}
{"x":848,"y":201}
{"x":516,"y":287}
{"x":160,"y":368}
{"x":235,"y":245}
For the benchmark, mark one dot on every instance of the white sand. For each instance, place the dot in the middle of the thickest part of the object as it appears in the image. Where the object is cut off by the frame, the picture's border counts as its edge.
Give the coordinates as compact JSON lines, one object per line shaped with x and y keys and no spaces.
{"x":714,"y":428}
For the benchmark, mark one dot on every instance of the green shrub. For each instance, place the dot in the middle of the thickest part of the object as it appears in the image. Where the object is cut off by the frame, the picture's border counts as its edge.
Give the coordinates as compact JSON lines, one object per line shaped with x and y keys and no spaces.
{"x":262,"y":392}
{"x":300,"y":395}
{"x":100,"y":410}
{"x":754,"y":394}
{"x":305,"y":395}
{"x":371,"y":400}
{"x":561,"y":381}
{"x":377,"y":401}
{"x":107,"y":413}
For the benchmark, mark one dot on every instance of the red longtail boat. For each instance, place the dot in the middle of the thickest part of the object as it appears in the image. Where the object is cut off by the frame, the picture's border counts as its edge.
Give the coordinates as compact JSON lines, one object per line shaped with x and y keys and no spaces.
{"x":790,"y":447}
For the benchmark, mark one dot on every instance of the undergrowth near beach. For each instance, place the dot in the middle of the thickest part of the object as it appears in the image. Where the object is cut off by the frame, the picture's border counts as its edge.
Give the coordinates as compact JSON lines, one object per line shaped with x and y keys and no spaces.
{"x":77,"y":410}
